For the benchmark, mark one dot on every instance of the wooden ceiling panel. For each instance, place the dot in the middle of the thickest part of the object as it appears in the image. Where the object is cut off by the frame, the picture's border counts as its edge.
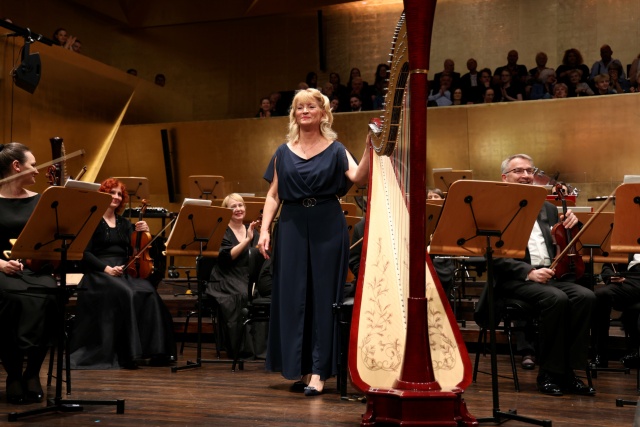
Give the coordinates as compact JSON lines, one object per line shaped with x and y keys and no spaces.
{"x":155,"y":13}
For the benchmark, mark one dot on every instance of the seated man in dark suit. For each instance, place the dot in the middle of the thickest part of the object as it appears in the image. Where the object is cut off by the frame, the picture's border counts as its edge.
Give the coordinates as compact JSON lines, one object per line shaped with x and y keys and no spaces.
{"x":564,"y":308}
{"x":622,"y":291}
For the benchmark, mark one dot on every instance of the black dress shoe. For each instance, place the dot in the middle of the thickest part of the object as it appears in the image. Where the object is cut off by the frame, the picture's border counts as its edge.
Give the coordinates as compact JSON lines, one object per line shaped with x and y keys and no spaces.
{"x":599,"y":361}
{"x":311,"y":391}
{"x":631,"y":361}
{"x":15,"y":392}
{"x":131,"y":365}
{"x":576,"y":386}
{"x":528,"y":362}
{"x":548,"y":385}
{"x":33,"y":390}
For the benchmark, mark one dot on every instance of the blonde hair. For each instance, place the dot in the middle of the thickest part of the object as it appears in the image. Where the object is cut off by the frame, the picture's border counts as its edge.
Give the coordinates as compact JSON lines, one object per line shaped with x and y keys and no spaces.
{"x":311,"y":95}
{"x":234,"y":196}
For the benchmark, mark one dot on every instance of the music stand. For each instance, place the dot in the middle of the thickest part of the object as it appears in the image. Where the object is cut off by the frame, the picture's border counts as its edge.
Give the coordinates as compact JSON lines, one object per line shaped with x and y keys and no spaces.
{"x":137,"y":188}
{"x":198,"y":232}
{"x":596,"y":240}
{"x":625,"y":236}
{"x":432,"y":214}
{"x":491,"y":219}
{"x":443,"y":178}
{"x":60,"y":228}
{"x":253,"y":211}
{"x":626,"y":230}
{"x":206,"y":187}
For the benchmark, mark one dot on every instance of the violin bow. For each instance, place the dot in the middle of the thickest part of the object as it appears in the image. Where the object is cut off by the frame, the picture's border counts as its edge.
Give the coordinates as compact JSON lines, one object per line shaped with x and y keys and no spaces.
{"x":44,"y":165}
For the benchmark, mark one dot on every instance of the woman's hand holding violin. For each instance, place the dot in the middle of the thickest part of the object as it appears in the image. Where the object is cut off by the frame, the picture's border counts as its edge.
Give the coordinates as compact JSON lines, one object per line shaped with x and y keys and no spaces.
{"x":116,"y":271}
{"x":12,"y":267}
{"x":142,"y":226}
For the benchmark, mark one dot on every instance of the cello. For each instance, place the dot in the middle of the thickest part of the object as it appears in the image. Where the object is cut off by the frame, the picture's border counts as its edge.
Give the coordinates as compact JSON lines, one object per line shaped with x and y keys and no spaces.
{"x":140,"y":263}
{"x":569,"y":265}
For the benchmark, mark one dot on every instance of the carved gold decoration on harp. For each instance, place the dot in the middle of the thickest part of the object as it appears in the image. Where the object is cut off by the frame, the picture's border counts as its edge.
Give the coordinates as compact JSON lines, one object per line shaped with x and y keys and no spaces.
{"x":380,"y":315}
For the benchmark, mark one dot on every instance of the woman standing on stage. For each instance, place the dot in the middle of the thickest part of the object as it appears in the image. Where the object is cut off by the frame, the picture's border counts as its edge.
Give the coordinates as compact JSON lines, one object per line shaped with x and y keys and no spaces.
{"x":307,"y":174}
{"x":120,"y":320}
{"x":27,"y":319}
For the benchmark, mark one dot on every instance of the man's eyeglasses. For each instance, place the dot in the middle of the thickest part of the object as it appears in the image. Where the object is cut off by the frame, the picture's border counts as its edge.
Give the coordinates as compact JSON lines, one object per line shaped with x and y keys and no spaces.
{"x":521,"y":171}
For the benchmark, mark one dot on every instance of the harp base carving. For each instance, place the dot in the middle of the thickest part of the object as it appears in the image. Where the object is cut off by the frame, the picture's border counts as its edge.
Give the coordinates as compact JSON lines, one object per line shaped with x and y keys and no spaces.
{"x":389,"y":407}
{"x":416,"y":399}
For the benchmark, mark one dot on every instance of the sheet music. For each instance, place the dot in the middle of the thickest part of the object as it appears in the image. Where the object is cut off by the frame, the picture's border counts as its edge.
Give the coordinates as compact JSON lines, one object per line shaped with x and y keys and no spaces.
{"x":81,"y":185}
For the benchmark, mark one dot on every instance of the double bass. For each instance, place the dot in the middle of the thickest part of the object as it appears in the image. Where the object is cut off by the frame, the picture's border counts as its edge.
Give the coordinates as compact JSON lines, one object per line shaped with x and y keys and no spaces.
{"x":140,"y":263}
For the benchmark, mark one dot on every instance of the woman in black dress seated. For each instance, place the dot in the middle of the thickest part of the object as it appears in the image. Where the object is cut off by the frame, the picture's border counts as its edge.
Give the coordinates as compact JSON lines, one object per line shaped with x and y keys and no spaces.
{"x":27,"y":320}
{"x":120,"y":320}
{"x":229,"y":280}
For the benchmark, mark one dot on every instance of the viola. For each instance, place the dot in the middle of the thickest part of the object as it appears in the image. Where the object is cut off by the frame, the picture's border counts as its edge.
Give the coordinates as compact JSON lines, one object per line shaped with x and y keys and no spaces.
{"x":140,"y":263}
{"x":569,"y":265}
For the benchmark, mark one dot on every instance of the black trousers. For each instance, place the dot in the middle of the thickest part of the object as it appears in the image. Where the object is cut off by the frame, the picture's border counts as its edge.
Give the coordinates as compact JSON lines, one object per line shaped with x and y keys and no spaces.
{"x":620,"y":296}
{"x":564,"y":321}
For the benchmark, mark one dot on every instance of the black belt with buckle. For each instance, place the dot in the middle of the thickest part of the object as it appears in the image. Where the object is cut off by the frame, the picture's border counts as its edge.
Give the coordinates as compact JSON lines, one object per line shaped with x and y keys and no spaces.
{"x":310,"y":202}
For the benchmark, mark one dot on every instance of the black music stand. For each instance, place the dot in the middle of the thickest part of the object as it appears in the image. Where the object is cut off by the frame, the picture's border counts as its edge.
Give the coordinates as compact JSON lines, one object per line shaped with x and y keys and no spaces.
{"x":60,"y":229}
{"x":208,"y":187}
{"x":198,"y":232}
{"x":626,"y":232}
{"x":137,"y":188}
{"x":491,"y":219}
{"x":596,"y":240}
{"x":443,"y":178}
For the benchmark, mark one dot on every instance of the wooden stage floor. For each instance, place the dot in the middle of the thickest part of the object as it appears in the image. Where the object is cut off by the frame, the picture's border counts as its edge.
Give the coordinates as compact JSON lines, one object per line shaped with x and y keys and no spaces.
{"x":215,"y":396}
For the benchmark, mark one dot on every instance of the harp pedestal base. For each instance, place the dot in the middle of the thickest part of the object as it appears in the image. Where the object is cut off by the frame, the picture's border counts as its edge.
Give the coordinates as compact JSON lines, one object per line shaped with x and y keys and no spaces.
{"x":393,"y":407}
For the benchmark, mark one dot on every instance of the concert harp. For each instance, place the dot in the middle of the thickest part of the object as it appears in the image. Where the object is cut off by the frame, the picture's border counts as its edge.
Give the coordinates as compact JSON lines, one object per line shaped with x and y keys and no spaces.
{"x":399,"y":301}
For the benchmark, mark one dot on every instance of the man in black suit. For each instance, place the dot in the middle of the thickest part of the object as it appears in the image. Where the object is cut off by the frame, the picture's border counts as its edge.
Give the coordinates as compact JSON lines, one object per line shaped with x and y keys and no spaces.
{"x":564,"y":308}
{"x":519,"y":72}
{"x":449,"y":67}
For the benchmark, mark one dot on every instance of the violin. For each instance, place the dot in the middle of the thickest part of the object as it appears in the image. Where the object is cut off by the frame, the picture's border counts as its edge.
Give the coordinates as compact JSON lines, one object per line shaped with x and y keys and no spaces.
{"x":569,"y":265}
{"x":140,"y":263}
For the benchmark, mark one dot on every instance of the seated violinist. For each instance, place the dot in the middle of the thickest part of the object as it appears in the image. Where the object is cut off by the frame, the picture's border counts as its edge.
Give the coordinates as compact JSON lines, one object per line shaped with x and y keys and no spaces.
{"x":27,"y":319}
{"x":120,"y":320}
{"x":621,"y":291}
{"x":564,"y":308}
{"x":229,"y":282}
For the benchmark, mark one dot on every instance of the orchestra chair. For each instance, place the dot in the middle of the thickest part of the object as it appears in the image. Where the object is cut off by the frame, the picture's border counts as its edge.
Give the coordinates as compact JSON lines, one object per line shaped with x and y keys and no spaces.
{"x":476,"y":264}
{"x":208,"y":187}
{"x":258,"y":308}
{"x":358,"y":195}
{"x":508,"y":311}
{"x":207,"y":304}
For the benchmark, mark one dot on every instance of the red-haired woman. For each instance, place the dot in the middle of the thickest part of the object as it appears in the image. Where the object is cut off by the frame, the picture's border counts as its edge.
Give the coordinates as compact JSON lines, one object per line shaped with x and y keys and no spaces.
{"x":120,"y":320}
